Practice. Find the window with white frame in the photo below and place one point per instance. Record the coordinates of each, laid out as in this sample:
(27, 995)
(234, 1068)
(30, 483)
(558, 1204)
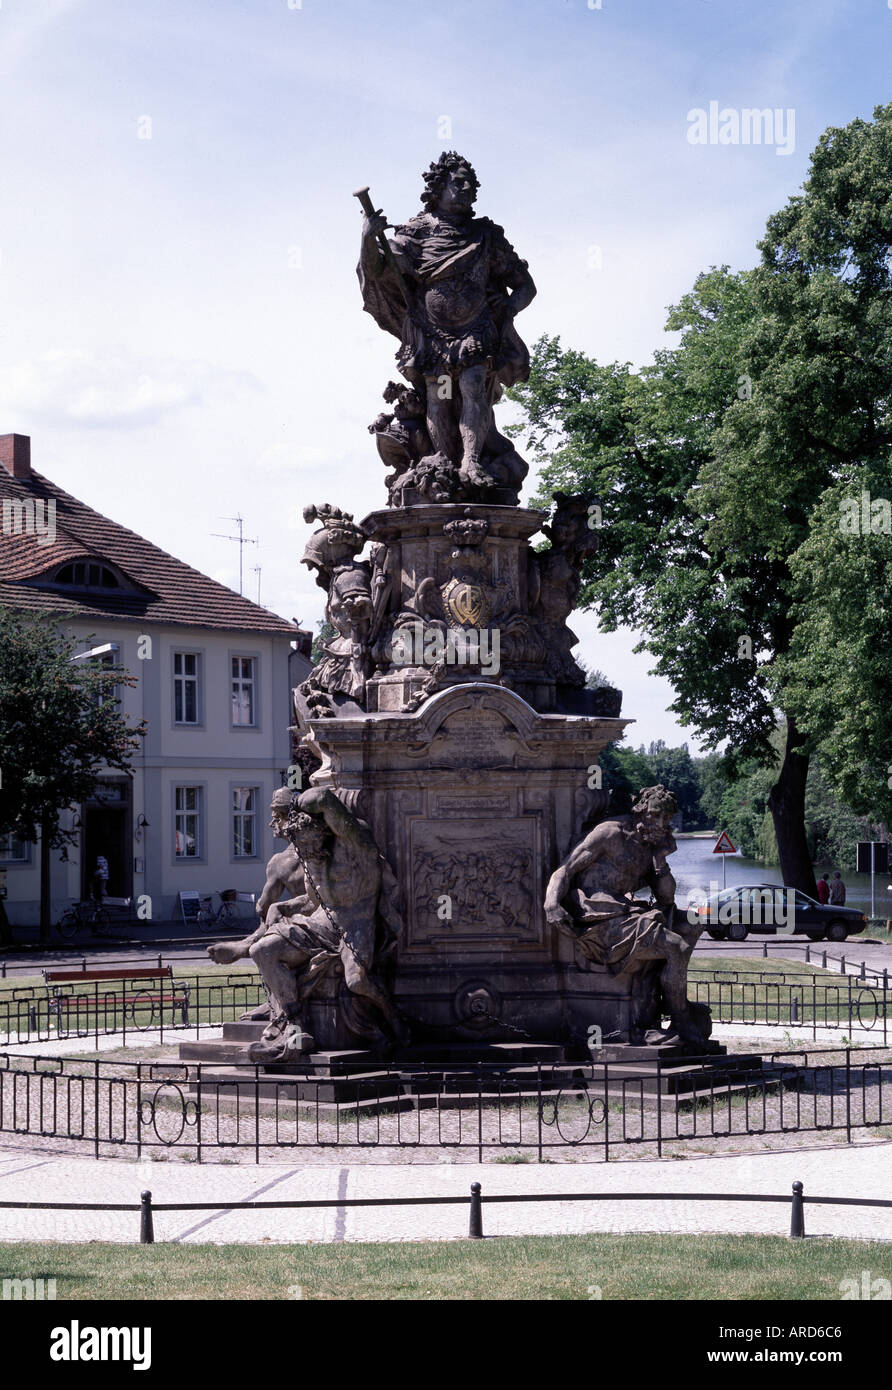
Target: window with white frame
(244, 822)
(187, 822)
(185, 687)
(106, 662)
(11, 848)
(244, 692)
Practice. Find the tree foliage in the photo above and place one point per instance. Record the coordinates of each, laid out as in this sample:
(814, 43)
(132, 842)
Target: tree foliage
(718, 467)
(60, 726)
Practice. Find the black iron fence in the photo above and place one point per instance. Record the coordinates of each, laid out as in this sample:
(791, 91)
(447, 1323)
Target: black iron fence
(89, 1009)
(844, 1002)
(147, 1208)
(554, 1111)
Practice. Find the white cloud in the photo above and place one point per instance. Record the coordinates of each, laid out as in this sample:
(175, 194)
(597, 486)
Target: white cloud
(120, 391)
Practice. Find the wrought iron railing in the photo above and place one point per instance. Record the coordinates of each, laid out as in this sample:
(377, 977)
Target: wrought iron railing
(844, 1002)
(542, 1111)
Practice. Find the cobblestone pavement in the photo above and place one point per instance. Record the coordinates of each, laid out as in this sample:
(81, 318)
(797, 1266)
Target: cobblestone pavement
(859, 1171)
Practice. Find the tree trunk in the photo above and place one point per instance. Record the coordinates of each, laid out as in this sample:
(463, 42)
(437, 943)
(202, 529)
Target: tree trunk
(786, 802)
(45, 881)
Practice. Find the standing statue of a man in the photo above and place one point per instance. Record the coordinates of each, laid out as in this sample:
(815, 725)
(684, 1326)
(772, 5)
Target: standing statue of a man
(612, 928)
(333, 921)
(450, 293)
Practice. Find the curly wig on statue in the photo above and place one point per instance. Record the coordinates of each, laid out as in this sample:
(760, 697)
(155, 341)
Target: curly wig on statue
(448, 163)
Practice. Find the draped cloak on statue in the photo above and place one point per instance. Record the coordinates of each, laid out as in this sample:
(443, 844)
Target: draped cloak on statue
(458, 278)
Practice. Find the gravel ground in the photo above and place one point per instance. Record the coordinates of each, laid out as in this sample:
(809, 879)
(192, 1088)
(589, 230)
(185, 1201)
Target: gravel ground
(155, 1116)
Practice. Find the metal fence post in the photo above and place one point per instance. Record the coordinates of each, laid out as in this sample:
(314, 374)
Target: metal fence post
(475, 1224)
(659, 1110)
(797, 1213)
(146, 1224)
(96, 1107)
(539, 1104)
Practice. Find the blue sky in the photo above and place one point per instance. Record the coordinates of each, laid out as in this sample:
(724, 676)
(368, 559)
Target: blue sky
(181, 332)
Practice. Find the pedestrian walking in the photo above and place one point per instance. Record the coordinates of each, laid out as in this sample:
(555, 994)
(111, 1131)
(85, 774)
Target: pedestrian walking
(824, 889)
(837, 890)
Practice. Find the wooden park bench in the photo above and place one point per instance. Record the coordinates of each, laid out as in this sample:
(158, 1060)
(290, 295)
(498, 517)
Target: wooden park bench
(69, 1004)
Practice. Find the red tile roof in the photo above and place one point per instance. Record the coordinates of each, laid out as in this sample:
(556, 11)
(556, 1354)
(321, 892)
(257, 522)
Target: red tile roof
(166, 589)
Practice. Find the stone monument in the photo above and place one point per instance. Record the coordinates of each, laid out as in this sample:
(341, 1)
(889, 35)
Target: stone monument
(462, 884)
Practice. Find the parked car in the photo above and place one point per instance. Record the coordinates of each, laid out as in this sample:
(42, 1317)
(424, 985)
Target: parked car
(763, 907)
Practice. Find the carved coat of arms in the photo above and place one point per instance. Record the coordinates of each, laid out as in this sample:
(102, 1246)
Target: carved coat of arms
(466, 604)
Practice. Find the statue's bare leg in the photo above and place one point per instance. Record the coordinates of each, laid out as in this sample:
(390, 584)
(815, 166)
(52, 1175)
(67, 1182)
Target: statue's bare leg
(278, 962)
(475, 421)
(359, 981)
(441, 416)
(674, 952)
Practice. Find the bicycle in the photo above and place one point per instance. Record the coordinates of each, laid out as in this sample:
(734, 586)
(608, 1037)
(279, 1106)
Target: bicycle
(88, 913)
(226, 915)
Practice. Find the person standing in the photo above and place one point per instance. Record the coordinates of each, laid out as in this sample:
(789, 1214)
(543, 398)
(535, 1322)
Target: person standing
(824, 889)
(100, 879)
(837, 890)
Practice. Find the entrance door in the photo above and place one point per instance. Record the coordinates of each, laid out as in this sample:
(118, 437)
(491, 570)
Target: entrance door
(105, 832)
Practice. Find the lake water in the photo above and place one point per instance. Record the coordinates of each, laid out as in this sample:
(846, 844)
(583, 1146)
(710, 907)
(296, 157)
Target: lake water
(697, 869)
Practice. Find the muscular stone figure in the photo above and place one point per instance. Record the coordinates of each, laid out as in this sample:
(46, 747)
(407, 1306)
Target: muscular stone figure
(284, 878)
(334, 921)
(615, 859)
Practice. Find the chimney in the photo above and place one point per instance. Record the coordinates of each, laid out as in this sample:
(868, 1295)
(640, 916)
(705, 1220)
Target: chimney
(15, 454)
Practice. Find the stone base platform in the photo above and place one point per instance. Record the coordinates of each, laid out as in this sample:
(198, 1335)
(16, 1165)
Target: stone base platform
(463, 1075)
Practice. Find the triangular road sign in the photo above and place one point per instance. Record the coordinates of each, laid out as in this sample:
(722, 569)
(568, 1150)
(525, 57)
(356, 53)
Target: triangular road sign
(723, 844)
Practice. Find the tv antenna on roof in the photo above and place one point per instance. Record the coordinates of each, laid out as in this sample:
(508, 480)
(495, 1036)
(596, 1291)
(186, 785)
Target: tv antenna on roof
(242, 539)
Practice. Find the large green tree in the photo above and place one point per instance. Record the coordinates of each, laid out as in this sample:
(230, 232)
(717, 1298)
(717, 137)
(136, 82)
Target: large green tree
(60, 726)
(712, 462)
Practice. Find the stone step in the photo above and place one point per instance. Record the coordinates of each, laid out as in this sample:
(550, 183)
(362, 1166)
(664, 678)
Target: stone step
(273, 1091)
(287, 1086)
(243, 1031)
(469, 1053)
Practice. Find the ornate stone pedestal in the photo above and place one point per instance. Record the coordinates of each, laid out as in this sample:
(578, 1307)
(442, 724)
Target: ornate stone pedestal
(477, 798)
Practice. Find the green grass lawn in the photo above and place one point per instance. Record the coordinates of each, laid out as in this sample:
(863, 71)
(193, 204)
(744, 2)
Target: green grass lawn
(753, 988)
(527, 1267)
(754, 966)
(220, 1004)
